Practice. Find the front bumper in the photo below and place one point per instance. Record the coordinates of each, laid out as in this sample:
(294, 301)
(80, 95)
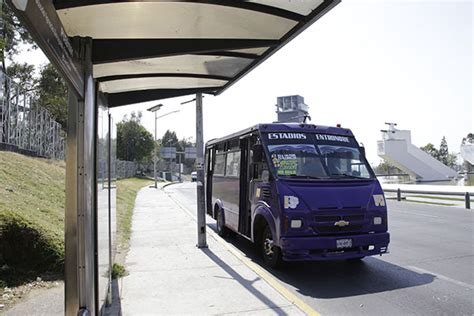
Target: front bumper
(324, 248)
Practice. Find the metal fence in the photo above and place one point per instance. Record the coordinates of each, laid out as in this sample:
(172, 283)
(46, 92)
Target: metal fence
(25, 126)
(125, 169)
(466, 195)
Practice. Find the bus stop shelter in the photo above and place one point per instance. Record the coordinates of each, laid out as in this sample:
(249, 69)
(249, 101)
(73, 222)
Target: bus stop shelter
(114, 53)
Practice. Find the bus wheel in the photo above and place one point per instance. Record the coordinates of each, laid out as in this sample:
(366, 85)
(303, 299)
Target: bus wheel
(221, 229)
(271, 253)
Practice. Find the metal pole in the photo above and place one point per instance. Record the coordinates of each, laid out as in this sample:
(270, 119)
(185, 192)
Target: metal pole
(155, 158)
(399, 195)
(468, 200)
(201, 212)
(80, 238)
(179, 167)
(169, 163)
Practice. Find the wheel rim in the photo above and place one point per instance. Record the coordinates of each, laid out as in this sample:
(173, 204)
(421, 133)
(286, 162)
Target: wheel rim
(268, 245)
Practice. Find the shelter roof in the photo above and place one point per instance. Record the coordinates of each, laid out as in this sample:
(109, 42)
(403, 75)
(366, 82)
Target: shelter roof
(153, 49)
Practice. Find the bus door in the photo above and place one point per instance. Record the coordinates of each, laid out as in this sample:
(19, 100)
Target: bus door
(244, 203)
(208, 180)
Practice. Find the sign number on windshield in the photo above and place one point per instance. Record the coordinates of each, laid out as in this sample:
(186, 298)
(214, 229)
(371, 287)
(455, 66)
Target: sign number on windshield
(343, 243)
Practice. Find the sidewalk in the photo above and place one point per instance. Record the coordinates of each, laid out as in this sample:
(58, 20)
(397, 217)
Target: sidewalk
(168, 274)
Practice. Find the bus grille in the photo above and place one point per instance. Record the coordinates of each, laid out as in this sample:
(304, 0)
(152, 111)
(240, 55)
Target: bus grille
(326, 223)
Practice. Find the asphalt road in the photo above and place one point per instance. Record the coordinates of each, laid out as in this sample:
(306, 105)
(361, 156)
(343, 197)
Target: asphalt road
(429, 270)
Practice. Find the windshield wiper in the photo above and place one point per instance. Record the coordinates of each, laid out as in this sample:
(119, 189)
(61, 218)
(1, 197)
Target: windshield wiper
(348, 176)
(301, 176)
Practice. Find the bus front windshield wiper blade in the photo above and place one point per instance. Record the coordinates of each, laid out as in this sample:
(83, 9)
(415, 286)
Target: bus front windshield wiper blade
(348, 176)
(301, 176)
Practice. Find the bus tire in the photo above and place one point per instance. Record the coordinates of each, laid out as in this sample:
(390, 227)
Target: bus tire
(271, 253)
(222, 230)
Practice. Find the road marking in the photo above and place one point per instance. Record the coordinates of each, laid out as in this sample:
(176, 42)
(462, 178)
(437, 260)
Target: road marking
(414, 213)
(272, 281)
(442, 277)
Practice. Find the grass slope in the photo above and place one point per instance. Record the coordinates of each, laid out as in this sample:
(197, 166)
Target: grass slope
(31, 216)
(32, 198)
(127, 190)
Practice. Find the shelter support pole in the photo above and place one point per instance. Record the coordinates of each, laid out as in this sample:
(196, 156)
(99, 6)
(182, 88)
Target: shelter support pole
(201, 212)
(80, 281)
(155, 158)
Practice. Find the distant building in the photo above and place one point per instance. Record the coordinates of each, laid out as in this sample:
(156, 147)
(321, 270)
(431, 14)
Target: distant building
(291, 108)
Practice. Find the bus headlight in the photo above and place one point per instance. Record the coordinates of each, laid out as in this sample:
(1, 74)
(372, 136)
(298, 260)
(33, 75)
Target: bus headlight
(377, 220)
(296, 223)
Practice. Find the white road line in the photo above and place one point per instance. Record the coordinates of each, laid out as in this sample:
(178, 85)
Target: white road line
(442, 277)
(414, 213)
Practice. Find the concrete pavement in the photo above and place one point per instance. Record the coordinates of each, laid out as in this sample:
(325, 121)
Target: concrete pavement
(429, 270)
(170, 275)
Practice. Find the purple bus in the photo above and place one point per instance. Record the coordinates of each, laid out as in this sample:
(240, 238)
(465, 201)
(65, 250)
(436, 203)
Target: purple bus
(298, 191)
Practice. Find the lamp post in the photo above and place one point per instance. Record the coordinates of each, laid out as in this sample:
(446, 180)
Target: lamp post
(169, 165)
(155, 109)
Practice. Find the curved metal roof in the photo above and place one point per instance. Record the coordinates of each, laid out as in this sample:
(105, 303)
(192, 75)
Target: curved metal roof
(153, 49)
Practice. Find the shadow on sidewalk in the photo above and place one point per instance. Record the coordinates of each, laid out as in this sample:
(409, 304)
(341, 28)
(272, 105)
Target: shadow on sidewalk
(116, 307)
(248, 284)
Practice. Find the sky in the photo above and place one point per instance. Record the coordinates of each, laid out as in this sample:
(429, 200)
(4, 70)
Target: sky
(362, 64)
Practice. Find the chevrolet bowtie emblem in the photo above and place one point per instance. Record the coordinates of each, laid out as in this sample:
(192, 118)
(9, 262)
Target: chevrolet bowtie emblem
(341, 223)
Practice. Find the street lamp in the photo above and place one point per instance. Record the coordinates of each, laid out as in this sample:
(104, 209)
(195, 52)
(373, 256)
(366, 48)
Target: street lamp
(155, 109)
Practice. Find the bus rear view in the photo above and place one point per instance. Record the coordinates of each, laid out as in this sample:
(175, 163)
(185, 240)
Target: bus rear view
(299, 191)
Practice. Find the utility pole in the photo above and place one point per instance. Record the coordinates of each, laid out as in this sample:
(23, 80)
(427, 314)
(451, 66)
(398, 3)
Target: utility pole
(201, 212)
(155, 156)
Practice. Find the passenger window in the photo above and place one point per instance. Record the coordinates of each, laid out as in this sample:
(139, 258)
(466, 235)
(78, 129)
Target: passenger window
(220, 165)
(233, 164)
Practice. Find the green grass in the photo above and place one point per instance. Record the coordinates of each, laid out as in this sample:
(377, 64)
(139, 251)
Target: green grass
(127, 190)
(431, 203)
(32, 199)
(118, 271)
(31, 216)
(438, 198)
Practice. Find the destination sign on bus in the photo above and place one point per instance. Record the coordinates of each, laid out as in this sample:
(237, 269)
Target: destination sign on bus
(332, 138)
(286, 136)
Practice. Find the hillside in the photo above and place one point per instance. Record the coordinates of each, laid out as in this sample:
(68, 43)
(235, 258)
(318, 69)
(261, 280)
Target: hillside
(31, 217)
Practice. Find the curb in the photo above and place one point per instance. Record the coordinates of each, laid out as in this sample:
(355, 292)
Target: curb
(267, 277)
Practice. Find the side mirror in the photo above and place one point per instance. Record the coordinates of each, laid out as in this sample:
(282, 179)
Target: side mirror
(257, 153)
(362, 150)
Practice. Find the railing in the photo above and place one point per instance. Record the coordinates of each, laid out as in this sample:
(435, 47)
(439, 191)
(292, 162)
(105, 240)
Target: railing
(25, 126)
(467, 195)
(125, 169)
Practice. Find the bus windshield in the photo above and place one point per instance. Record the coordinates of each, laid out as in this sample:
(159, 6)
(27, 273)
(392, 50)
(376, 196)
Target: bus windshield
(313, 158)
(298, 160)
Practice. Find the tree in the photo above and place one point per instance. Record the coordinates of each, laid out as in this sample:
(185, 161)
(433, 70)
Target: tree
(451, 160)
(22, 74)
(13, 33)
(443, 151)
(134, 142)
(431, 149)
(170, 139)
(442, 155)
(468, 140)
(384, 168)
(52, 94)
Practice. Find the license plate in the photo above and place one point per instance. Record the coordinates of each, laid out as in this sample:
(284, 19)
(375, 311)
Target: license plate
(343, 243)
